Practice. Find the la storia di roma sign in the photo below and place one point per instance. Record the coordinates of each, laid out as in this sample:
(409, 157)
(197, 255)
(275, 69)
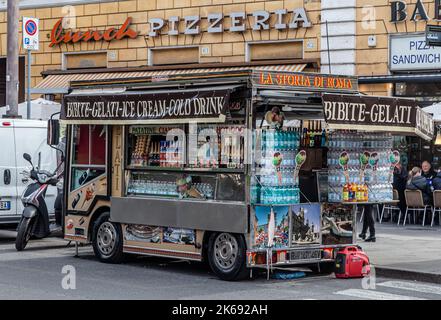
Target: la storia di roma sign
(311, 81)
(284, 19)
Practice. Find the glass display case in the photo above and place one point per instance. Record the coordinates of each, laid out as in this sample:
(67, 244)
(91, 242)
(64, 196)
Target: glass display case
(156, 146)
(206, 164)
(216, 146)
(221, 187)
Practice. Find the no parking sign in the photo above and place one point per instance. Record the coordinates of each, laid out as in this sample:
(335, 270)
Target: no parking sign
(30, 33)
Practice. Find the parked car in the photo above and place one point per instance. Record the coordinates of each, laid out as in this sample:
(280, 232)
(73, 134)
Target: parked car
(17, 137)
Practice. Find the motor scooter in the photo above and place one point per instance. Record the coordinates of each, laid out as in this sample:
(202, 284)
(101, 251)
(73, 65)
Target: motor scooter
(35, 218)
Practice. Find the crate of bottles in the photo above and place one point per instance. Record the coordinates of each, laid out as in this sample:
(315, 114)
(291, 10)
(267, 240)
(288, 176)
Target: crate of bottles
(275, 184)
(355, 182)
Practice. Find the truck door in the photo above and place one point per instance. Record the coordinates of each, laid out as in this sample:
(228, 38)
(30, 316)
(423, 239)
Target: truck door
(8, 171)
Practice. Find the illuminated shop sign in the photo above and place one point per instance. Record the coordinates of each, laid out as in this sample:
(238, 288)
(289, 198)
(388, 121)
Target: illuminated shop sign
(284, 19)
(260, 20)
(315, 82)
(400, 11)
(59, 35)
(411, 52)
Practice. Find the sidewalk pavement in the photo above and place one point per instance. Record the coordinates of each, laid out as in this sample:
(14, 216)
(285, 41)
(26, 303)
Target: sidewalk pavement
(412, 252)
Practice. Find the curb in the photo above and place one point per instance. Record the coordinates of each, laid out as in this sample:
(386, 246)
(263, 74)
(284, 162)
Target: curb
(407, 275)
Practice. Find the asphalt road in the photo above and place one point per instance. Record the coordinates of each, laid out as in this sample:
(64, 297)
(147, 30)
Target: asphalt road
(36, 273)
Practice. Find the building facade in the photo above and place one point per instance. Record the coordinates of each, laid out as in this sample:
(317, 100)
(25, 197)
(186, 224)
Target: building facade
(364, 36)
(170, 32)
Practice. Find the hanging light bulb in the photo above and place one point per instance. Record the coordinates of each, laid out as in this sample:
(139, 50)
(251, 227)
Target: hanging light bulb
(438, 137)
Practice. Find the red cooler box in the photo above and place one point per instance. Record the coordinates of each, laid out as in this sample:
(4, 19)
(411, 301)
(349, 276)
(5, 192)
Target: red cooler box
(351, 262)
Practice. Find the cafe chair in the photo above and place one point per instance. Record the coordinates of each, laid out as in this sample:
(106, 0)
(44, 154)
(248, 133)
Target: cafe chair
(391, 207)
(436, 206)
(414, 202)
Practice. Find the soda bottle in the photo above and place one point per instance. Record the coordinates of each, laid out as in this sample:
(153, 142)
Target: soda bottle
(346, 193)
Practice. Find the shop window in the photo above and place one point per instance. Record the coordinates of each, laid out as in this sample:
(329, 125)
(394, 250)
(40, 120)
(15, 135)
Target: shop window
(85, 60)
(275, 51)
(21, 79)
(172, 56)
(410, 89)
(88, 154)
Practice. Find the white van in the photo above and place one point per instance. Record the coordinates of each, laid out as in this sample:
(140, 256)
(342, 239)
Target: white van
(17, 137)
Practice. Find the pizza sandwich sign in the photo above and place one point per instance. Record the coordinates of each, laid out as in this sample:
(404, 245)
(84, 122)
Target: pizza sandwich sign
(30, 33)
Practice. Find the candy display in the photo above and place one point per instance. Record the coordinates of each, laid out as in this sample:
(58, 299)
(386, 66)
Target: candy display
(151, 148)
(140, 152)
(274, 181)
(359, 167)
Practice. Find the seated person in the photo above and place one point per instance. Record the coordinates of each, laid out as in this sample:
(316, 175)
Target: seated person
(417, 182)
(436, 182)
(427, 171)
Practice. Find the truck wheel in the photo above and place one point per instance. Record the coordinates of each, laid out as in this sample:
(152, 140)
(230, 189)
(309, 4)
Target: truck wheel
(107, 240)
(23, 234)
(227, 256)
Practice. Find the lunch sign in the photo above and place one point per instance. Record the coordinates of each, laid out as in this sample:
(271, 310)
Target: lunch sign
(370, 113)
(152, 108)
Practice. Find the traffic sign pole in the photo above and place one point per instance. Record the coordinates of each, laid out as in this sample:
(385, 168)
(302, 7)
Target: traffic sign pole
(28, 106)
(30, 42)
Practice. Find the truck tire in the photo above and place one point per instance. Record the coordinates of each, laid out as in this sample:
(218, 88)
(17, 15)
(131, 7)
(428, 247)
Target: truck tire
(107, 240)
(227, 256)
(23, 234)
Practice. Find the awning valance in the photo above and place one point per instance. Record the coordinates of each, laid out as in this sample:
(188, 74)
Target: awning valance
(370, 113)
(149, 107)
(60, 83)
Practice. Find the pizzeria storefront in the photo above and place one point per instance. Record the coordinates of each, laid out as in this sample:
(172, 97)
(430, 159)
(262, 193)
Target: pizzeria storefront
(405, 66)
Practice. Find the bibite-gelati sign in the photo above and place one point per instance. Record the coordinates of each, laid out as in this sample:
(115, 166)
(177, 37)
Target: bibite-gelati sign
(355, 112)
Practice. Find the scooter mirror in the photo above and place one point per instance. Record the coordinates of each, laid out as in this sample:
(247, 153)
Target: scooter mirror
(27, 157)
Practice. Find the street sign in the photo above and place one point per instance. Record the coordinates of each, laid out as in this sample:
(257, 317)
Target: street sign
(433, 35)
(30, 33)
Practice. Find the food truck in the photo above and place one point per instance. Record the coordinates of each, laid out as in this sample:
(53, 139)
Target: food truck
(244, 168)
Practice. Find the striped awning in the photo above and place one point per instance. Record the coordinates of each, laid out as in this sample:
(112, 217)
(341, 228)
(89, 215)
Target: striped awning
(59, 83)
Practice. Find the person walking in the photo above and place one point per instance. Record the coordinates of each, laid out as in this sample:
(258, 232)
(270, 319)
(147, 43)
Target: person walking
(368, 223)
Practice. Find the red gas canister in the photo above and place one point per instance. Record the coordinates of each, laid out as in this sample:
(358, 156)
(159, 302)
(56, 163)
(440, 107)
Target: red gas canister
(351, 262)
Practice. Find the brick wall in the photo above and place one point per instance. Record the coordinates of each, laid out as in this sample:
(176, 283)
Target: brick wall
(225, 47)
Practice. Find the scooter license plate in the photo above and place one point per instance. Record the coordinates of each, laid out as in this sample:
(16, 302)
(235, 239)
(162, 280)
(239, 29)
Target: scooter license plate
(5, 205)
